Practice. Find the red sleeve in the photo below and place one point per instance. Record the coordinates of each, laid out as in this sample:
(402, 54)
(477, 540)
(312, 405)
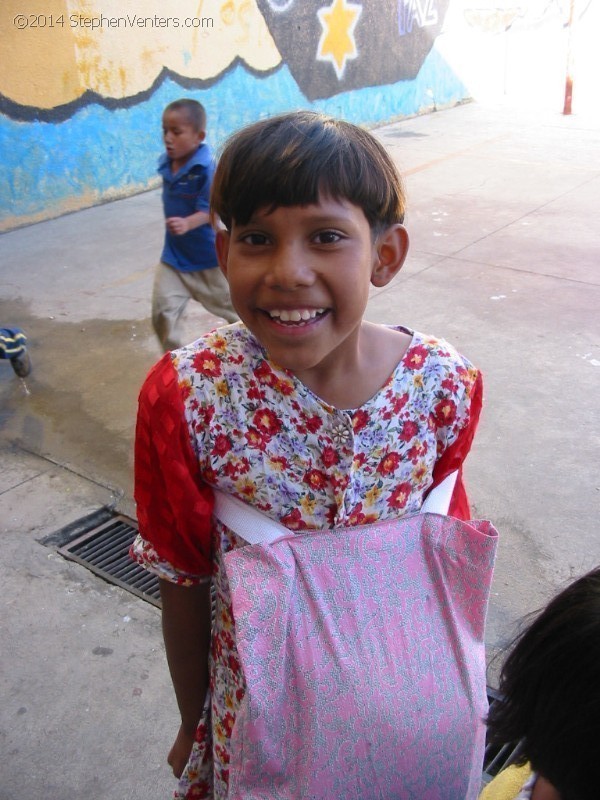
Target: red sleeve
(452, 459)
(174, 507)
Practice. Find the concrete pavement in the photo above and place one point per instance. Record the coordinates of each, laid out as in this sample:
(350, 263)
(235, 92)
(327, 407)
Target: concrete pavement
(504, 262)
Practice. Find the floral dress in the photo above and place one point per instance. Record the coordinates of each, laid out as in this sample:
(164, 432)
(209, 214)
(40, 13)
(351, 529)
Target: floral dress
(219, 413)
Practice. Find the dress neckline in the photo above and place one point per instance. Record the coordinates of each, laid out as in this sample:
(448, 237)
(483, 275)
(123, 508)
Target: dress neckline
(303, 389)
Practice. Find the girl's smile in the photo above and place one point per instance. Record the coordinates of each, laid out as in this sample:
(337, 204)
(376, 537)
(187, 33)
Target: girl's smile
(297, 316)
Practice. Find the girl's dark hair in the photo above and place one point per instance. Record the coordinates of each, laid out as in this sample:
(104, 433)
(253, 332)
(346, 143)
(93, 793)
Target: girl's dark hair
(550, 685)
(194, 110)
(294, 158)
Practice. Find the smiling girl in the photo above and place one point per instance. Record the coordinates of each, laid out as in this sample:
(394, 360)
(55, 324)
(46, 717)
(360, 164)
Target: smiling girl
(303, 410)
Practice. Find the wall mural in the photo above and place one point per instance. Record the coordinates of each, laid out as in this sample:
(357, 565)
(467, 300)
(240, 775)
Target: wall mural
(83, 82)
(352, 45)
(86, 51)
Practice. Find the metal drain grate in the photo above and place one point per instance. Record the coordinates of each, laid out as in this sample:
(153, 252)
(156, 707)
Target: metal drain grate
(496, 758)
(104, 549)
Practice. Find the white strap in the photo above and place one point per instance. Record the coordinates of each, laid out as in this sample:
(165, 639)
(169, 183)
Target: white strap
(249, 523)
(255, 527)
(438, 499)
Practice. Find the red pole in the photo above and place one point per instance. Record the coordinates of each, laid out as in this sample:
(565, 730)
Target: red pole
(569, 80)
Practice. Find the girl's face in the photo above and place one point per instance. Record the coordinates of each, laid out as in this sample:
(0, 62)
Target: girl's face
(299, 278)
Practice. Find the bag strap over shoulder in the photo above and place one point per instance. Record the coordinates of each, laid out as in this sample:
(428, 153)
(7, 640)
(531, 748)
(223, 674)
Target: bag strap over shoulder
(438, 499)
(257, 528)
(252, 525)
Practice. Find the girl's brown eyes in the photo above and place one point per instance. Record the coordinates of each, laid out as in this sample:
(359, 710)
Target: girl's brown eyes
(323, 238)
(328, 237)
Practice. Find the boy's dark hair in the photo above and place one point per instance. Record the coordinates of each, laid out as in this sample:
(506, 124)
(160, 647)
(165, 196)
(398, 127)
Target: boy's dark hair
(195, 111)
(294, 158)
(550, 684)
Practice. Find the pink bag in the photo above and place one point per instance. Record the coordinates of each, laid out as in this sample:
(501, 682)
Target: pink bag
(363, 655)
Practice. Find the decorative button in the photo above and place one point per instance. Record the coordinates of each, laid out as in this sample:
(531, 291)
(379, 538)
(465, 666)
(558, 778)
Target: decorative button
(341, 433)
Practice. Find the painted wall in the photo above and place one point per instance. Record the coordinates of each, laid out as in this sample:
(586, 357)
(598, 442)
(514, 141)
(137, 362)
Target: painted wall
(83, 82)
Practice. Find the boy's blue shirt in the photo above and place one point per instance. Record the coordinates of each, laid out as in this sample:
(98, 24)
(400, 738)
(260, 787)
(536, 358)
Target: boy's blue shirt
(184, 193)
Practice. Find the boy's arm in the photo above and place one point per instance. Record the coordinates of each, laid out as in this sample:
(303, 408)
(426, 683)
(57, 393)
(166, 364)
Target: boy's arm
(180, 225)
(186, 623)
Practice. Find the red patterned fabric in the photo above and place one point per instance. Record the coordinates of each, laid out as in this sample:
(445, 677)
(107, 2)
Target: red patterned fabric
(452, 459)
(219, 412)
(174, 506)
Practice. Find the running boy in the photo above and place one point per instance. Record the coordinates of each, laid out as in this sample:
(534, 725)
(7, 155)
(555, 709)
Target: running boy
(304, 410)
(188, 266)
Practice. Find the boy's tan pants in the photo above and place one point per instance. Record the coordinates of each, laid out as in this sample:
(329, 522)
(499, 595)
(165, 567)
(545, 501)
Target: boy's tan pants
(172, 292)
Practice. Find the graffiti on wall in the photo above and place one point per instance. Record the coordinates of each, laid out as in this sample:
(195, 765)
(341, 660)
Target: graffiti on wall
(83, 50)
(90, 51)
(83, 82)
(351, 45)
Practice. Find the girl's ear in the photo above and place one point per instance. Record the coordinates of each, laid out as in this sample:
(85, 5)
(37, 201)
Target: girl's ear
(391, 249)
(222, 248)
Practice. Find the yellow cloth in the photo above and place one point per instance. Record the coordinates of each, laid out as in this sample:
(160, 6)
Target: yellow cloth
(507, 784)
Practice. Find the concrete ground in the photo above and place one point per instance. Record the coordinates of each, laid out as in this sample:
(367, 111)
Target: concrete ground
(504, 263)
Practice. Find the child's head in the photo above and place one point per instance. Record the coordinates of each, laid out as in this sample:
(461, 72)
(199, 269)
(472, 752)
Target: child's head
(190, 111)
(295, 159)
(551, 688)
(312, 209)
(184, 129)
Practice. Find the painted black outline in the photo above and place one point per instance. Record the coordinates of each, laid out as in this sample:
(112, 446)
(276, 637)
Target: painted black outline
(61, 113)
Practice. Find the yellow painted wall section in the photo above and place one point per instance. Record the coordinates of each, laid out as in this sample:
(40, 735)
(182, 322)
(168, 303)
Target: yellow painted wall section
(38, 65)
(53, 53)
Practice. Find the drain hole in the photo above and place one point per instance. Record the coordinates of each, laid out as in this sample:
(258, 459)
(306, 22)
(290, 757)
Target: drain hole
(101, 542)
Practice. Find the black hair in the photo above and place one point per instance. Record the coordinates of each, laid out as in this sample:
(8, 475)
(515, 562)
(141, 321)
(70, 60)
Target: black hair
(550, 687)
(295, 158)
(195, 111)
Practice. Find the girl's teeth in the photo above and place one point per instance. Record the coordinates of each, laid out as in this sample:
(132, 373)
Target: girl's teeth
(295, 315)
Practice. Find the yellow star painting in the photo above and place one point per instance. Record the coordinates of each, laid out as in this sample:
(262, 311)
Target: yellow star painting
(337, 43)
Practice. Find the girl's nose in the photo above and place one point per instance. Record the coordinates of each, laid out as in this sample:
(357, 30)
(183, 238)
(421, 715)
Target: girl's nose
(290, 269)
